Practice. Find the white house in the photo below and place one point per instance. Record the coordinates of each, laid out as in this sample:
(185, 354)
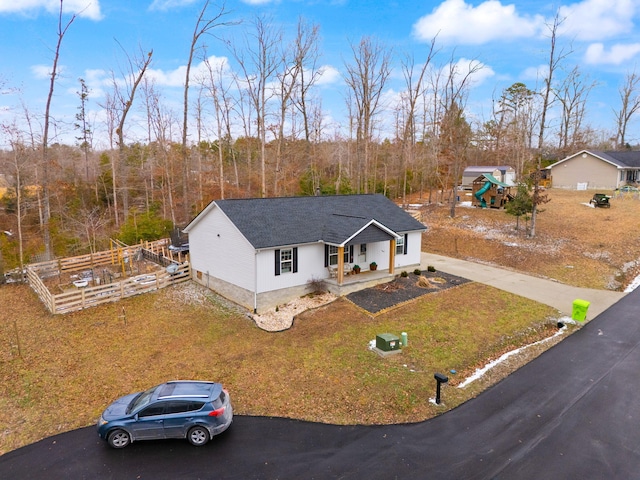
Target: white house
(262, 252)
(591, 169)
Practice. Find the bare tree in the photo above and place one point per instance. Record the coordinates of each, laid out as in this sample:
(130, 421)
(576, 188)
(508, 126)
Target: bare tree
(366, 79)
(629, 105)
(110, 119)
(455, 131)
(18, 164)
(203, 27)
(218, 87)
(572, 95)
(246, 113)
(160, 124)
(259, 63)
(292, 88)
(62, 30)
(555, 60)
(307, 55)
(415, 87)
(121, 103)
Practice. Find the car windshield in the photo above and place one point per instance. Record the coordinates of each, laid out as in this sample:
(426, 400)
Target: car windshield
(140, 400)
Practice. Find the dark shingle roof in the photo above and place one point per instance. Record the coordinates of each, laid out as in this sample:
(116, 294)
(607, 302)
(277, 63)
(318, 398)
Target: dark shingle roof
(272, 222)
(627, 158)
(623, 159)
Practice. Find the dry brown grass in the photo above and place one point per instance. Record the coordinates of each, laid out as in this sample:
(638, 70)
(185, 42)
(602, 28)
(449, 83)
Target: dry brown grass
(574, 243)
(58, 372)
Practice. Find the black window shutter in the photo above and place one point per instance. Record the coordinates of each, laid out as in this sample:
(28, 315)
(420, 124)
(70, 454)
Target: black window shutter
(277, 262)
(295, 259)
(406, 238)
(326, 255)
(350, 253)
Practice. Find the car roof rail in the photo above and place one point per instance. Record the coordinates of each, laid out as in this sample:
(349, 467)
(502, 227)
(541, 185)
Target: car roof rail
(183, 396)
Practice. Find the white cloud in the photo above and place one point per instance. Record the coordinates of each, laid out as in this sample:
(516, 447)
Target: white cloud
(476, 71)
(164, 5)
(83, 8)
(95, 79)
(329, 75)
(617, 54)
(258, 2)
(455, 21)
(175, 78)
(41, 71)
(598, 19)
(535, 73)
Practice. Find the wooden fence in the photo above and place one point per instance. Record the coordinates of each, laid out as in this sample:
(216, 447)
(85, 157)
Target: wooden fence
(85, 297)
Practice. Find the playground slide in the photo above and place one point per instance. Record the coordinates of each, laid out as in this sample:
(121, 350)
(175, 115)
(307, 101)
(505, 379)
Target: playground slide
(481, 192)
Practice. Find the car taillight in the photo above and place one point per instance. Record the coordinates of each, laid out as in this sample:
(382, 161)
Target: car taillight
(217, 412)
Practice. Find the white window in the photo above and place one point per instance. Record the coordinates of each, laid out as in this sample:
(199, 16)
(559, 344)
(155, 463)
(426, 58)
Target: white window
(400, 245)
(286, 260)
(333, 255)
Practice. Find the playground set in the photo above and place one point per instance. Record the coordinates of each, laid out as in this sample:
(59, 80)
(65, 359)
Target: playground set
(489, 192)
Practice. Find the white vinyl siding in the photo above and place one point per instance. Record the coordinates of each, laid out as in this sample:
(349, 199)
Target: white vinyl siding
(310, 265)
(218, 249)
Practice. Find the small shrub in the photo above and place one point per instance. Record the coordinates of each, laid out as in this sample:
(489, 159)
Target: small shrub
(404, 274)
(417, 271)
(431, 268)
(317, 285)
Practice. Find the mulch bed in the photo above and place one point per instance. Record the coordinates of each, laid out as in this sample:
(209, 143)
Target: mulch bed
(380, 298)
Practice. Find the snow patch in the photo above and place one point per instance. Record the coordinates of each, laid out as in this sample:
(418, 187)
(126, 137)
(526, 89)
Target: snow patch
(481, 371)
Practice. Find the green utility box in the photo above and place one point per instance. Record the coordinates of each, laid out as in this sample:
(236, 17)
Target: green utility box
(387, 342)
(580, 308)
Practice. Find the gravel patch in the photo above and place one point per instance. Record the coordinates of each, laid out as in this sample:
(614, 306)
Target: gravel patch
(281, 318)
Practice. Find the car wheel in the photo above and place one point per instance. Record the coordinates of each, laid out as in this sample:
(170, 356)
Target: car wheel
(118, 439)
(198, 436)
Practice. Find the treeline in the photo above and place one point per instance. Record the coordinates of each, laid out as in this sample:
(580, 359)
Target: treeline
(259, 130)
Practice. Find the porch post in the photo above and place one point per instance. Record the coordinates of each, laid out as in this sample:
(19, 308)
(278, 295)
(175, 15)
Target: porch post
(392, 256)
(340, 265)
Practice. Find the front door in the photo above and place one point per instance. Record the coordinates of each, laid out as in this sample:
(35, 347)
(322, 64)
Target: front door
(362, 255)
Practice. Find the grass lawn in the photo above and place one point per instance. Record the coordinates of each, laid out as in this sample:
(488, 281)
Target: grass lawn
(59, 372)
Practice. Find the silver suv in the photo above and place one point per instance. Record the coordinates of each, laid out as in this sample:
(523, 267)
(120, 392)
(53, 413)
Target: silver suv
(189, 409)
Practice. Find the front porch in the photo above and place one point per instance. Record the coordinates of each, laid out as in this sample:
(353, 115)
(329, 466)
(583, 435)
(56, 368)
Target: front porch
(354, 282)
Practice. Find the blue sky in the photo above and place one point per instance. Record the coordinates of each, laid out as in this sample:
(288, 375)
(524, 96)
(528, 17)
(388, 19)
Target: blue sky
(509, 40)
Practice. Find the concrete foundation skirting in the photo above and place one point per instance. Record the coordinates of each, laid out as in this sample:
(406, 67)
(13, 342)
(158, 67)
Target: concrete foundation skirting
(260, 303)
(265, 301)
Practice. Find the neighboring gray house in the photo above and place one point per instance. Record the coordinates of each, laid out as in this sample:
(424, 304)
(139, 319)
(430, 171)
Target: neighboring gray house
(595, 170)
(263, 252)
(502, 173)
